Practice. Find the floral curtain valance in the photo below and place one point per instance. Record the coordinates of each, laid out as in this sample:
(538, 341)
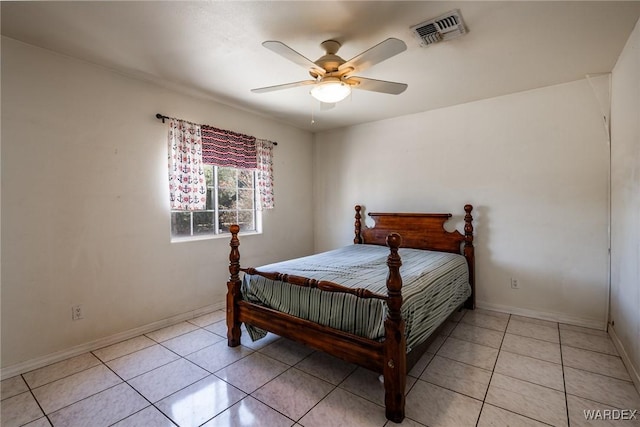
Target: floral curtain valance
(228, 149)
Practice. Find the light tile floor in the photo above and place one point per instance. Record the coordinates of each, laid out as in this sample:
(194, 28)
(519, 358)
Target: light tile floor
(485, 369)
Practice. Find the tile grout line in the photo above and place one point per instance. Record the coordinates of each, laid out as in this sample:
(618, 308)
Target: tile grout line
(63, 377)
(210, 374)
(601, 374)
(486, 392)
(529, 382)
(68, 376)
(265, 403)
(564, 380)
(101, 362)
(279, 375)
(288, 368)
(123, 380)
(151, 404)
(45, 415)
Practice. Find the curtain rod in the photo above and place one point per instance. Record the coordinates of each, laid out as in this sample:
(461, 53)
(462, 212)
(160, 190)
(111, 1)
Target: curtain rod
(163, 118)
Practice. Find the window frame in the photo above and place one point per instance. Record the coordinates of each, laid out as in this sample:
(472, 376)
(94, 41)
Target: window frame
(257, 213)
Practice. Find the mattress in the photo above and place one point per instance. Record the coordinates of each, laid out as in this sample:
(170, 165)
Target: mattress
(434, 285)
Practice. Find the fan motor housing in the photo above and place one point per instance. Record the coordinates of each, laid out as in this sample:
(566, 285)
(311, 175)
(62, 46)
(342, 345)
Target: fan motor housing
(330, 62)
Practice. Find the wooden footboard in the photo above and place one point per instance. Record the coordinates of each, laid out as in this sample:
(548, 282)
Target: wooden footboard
(388, 357)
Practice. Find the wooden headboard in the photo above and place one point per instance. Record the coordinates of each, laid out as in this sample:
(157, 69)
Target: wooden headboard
(421, 231)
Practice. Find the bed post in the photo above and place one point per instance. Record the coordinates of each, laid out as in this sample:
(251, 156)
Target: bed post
(395, 354)
(233, 289)
(469, 255)
(358, 225)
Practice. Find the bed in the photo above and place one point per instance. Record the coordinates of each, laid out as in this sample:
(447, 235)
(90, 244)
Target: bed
(386, 332)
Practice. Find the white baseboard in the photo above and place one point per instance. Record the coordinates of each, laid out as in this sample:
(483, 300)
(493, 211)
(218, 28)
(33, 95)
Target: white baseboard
(544, 315)
(633, 371)
(39, 362)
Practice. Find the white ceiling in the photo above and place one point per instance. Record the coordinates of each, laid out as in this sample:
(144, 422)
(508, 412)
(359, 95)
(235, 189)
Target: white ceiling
(214, 49)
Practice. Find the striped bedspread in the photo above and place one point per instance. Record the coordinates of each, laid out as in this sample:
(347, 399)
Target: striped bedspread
(434, 285)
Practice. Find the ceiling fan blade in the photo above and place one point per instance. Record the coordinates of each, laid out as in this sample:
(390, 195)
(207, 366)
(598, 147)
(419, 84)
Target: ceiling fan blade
(378, 53)
(284, 86)
(293, 56)
(382, 86)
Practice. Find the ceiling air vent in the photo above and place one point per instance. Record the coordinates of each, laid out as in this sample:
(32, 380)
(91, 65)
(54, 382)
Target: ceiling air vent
(443, 28)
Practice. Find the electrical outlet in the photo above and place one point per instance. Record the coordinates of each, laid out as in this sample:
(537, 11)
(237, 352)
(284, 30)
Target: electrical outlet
(76, 312)
(515, 284)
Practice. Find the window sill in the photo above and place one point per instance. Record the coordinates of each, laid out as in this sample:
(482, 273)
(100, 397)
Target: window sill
(211, 237)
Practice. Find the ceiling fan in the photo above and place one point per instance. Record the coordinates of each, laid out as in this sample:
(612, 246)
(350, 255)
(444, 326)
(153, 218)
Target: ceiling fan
(332, 76)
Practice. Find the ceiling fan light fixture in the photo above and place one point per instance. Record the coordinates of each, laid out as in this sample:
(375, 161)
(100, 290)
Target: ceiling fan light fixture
(331, 90)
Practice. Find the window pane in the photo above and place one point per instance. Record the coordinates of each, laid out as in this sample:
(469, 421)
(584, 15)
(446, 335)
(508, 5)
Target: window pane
(210, 180)
(227, 198)
(246, 221)
(208, 175)
(245, 199)
(227, 178)
(180, 224)
(225, 220)
(202, 223)
(210, 196)
(245, 178)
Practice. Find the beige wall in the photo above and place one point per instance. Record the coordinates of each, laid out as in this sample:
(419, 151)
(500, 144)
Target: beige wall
(625, 203)
(85, 217)
(533, 164)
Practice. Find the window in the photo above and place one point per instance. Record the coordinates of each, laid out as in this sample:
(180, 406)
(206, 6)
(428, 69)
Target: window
(231, 199)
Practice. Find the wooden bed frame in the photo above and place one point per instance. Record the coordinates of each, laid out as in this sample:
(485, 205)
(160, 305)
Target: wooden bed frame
(387, 357)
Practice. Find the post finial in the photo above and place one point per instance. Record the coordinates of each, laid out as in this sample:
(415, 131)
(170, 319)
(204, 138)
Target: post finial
(358, 226)
(394, 240)
(394, 280)
(468, 226)
(234, 255)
